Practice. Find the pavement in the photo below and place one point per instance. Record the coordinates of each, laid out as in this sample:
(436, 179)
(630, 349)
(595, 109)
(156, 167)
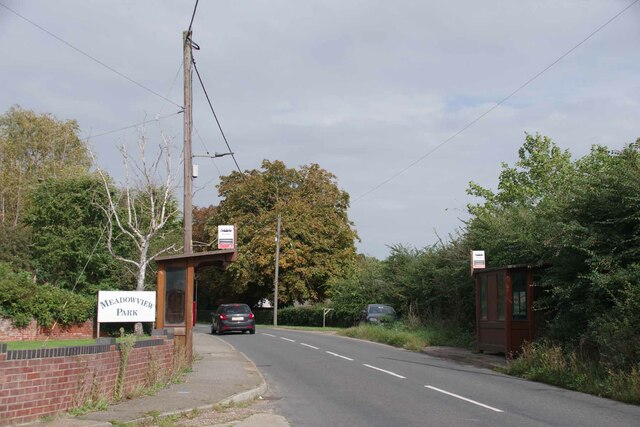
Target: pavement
(468, 357)
(221, 376)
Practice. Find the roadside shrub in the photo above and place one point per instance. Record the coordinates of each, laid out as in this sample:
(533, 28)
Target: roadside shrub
(21, 300)
(310, 316)
(413, 337)
(553, 364)
(394, 334)
(264, 316)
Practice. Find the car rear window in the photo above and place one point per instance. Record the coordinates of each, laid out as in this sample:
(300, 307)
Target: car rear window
(381, 309)
(236, 309)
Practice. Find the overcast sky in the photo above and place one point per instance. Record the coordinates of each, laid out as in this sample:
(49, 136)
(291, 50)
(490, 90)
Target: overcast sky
(363, 88)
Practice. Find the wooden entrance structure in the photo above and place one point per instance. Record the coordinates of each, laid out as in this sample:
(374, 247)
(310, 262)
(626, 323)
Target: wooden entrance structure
(504, 308)
(175, 289)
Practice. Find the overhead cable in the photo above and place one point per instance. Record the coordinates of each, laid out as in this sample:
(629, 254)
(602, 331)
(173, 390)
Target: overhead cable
(215, 116)
(89, 56)
(502, 101)
(195, 7)
(134, 126)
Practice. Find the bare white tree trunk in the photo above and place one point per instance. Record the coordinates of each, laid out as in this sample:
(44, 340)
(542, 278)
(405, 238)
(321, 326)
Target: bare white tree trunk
(144, 207)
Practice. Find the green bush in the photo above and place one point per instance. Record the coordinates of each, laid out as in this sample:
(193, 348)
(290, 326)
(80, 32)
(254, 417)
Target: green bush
(264, 316)
(551, 363)
(310, 316)
(415, 338)
(394, 334)
(21, 300)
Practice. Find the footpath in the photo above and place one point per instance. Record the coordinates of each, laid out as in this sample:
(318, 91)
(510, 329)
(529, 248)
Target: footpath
(221, 376)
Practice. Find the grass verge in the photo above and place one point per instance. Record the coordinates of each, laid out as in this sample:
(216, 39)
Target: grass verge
(551, 364)
(400, 335)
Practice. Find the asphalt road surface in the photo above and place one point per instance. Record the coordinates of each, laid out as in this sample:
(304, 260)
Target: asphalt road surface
(325, 380)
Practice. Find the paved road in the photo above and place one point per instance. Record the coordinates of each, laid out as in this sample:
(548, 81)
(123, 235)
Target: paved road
(326, 380)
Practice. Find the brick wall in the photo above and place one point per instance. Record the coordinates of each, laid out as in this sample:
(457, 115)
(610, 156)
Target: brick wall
(38, 383)
(33, 332)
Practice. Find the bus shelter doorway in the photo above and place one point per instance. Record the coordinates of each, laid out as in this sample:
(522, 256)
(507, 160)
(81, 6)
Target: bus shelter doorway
(504, 308)
(175, 293)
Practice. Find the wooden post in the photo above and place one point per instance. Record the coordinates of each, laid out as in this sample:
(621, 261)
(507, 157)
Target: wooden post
(275, 298)
(188, 122)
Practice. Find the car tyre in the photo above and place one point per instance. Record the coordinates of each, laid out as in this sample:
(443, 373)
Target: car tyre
(252, 331)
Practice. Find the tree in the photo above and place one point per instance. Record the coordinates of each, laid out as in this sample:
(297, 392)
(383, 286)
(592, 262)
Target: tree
(595, 280)
(365, 285)
(318, 240)
(144, 212)
(200, 219)
(69, 247)
(580, 220)
(14, 246)
(512, 225)
(33, 148)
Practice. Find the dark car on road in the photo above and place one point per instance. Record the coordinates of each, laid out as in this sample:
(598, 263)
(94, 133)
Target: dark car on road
(377, 313)
(233, 317)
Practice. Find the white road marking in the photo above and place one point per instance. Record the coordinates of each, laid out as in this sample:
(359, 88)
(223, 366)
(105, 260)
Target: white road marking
(269, 335)
(287, 339)
(339, 355)
(385, 371)
(310, 346)
(465, 399)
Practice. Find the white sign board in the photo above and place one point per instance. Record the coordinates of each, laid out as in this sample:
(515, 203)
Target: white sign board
(126, 306)
(226, 237)
(477, 260)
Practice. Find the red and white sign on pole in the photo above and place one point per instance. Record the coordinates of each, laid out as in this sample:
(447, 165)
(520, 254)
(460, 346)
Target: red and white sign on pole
(226, 237)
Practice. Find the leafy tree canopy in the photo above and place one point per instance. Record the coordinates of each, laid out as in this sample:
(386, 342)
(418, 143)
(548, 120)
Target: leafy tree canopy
(69, 247)
(581, 220)
(317, 240)
(509, 225)
(33, 148)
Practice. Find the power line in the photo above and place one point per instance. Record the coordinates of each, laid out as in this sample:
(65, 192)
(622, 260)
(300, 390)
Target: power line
(502, 101)
(193, 16)
(89, 56)
(206, 149)
(134, 126)
(175, 78)
(216, 117)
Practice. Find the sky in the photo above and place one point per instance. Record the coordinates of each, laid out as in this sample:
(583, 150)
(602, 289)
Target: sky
(379, 93)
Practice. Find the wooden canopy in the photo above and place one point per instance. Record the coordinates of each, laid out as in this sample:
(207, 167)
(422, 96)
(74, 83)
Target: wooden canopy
(175, 291)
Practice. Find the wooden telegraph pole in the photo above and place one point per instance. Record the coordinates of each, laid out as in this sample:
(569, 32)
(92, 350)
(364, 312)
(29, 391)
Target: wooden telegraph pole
(187, 157)
(275, 298)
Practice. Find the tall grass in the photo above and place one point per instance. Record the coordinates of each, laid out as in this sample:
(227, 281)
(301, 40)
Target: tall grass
(552, 364)
(413, 338)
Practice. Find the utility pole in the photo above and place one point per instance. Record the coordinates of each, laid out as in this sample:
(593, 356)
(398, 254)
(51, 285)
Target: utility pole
(188, 123)
(275, 298)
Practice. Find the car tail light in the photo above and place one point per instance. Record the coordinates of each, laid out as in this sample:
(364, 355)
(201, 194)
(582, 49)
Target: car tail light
(223, 316)
(251, 316)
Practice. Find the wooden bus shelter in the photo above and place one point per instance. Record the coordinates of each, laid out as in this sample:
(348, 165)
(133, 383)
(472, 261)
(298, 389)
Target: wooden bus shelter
(504, 308)
(175, 293)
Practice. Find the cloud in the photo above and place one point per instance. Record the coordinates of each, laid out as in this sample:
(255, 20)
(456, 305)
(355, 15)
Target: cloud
(363, 88)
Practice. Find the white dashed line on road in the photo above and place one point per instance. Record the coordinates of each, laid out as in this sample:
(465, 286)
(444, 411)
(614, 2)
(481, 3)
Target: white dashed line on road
(310, 346)
(464, 398)
(340, 356)
(385, 371)
(269, 335)
(287, 339)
